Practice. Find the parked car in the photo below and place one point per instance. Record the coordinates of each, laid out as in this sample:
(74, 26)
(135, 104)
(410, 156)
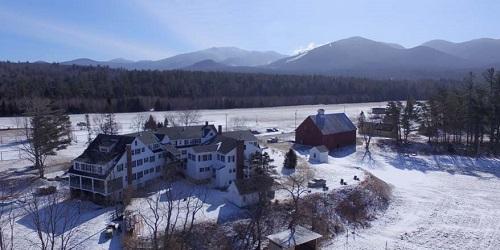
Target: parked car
(45, 190)
(255, 132)
(316, 183)
(111, 228)
(272, 140)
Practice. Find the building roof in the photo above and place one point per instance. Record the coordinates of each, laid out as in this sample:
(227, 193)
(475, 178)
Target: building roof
(288, 239)
(378, 111)
(146, 137)
(333, 123)
(220, 143)
(183, 132)
(322, 149)
(93, 155)
(245, 135)
(253, 184)
(171, 149)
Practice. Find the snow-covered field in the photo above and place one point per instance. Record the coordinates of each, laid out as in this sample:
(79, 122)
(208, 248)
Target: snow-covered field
(440, 202)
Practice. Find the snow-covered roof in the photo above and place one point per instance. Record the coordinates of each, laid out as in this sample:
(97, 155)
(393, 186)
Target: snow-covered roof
(333, 123)
(287, 239)
(322, 149)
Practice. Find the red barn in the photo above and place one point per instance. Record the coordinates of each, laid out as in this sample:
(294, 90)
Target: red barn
(332, 130)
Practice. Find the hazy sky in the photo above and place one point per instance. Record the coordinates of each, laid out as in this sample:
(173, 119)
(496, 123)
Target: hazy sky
(59, 30)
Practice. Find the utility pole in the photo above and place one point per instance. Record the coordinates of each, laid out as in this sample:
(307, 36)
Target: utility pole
(295, 127)
(226, 122)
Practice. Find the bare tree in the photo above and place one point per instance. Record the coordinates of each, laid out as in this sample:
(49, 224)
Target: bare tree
(188, 117)
(296, 186)
(137, 123)
(366, 128)
(106, 124)
(153, 217)
(88, 127)
(239, 123)
(54, 219)
(8, 217)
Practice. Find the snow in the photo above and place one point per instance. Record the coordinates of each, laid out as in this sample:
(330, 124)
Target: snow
(440, 201)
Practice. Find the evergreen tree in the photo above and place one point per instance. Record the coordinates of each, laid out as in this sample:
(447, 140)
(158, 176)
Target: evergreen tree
(150, 124)
(393, 116)
(47, 131)
(290, 159)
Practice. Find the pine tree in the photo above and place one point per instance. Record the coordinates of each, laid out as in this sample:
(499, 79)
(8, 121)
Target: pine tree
(150, 124)
(290, 159)
(393, 116)
(47, 131)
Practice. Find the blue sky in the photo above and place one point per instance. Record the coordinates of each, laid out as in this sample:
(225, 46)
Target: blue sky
(59, 30)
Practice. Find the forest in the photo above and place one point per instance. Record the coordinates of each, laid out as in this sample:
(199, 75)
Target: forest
(85, 89)
(463, 118)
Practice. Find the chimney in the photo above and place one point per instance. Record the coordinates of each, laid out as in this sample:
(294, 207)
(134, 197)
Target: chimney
(219, 130)
(320, 117)
(206, 123)
(239, 159)
(129, 164)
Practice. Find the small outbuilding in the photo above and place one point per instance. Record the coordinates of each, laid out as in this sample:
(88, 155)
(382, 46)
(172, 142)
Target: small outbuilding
(246, 192)
(318, 154)
(300, 238)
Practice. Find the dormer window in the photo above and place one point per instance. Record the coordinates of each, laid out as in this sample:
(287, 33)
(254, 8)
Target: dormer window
(104, 149)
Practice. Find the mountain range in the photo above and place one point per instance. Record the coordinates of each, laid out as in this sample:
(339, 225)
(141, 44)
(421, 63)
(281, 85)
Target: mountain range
(355, 56)
(227, 56)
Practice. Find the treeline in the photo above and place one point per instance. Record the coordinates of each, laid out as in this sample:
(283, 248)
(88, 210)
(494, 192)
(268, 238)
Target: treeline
(468, 114)
(465, 118)
(81, 89)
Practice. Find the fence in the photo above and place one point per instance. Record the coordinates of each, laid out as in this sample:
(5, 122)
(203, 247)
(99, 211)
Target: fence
(15, 154)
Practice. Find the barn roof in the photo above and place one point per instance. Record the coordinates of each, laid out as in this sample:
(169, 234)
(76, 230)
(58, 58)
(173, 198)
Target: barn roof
(333, 123)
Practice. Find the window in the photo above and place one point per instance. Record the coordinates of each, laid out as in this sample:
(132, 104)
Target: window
(134, 164)
(218, 157)
(230, 182)
(100, 170)
(139, 175)
(207, 169)
(210, 157)
(199, 158)
(202, 170)
(138, 151)
(119, 167)
(139, 162)
(186, 142)
(77, 165)
(135, 143)
(143, 149)
(222, 158)
(134, 176)
(132, 151)
(152, 158)
(205, 157)
(146, 159)
(157, 169)
(184, 152)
